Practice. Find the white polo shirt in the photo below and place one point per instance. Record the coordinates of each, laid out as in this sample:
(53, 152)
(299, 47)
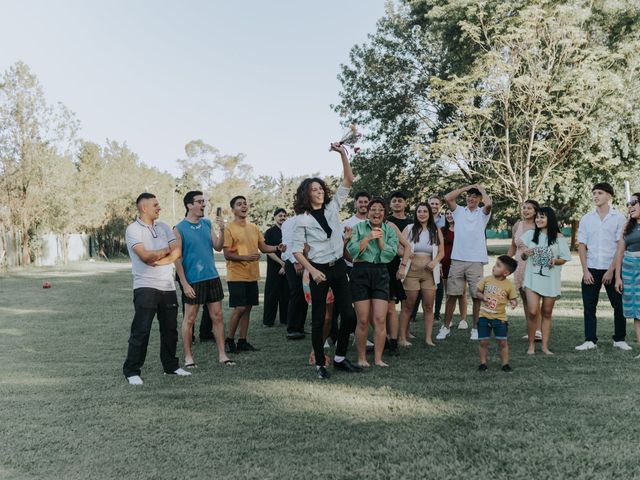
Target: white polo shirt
(600, 236)
(470, 241)
(152, 237)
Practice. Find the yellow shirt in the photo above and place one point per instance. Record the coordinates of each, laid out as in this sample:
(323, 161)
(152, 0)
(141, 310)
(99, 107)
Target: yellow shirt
(498, 293)
(242, 239)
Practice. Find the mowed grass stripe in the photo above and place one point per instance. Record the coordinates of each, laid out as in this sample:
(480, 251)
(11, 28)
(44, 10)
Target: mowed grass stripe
(68, 413)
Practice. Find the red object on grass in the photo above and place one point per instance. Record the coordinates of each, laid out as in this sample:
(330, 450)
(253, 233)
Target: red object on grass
(46, 285)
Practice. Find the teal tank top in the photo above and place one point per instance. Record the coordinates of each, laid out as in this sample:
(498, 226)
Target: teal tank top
(197, 251)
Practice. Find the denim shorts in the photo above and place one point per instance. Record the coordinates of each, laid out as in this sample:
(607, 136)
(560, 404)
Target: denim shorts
(499, 327)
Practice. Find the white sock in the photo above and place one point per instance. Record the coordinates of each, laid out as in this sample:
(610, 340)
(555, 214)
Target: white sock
(338, 359)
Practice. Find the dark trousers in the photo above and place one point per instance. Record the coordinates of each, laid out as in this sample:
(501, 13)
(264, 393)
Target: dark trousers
(590, 294)
(439, 297)
(148, 303)
(276, 296)
(297, 306)
(335, 320)
(336, 280)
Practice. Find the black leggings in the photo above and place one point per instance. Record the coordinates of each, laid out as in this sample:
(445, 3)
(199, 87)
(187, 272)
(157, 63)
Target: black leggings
(338, 281)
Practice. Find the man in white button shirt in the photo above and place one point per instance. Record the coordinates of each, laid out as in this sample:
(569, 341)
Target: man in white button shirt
(469, 253)
(598, 235)
(297, 307)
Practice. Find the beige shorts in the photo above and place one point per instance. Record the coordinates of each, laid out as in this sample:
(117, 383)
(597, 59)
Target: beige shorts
(419, 280)
(462, 272)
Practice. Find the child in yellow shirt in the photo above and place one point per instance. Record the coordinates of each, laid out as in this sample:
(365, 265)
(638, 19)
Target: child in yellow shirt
(495, 291)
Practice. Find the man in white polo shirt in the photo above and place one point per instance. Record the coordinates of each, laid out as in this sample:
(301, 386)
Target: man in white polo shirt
(598, 236)
(469, 254)
(152, 249)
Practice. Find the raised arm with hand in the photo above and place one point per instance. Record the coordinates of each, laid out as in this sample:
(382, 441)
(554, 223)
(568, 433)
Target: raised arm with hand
(486, 199)
(347, 179)
(451, 197)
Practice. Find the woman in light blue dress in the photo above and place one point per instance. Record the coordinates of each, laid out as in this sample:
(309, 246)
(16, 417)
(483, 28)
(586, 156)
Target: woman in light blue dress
(546, 252)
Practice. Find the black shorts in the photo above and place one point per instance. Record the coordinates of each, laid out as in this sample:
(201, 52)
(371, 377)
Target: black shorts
(369, 281)
(396, 289)
(207, 291)
(242, 294)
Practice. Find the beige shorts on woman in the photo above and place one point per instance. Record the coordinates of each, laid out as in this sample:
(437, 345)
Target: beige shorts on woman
(419, 277)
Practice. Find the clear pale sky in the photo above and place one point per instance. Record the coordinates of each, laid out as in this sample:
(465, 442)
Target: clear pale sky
(245, 76)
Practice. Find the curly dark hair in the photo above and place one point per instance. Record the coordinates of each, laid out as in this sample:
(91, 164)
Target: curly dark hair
(416, 229)
(302, 202)
(631, 224)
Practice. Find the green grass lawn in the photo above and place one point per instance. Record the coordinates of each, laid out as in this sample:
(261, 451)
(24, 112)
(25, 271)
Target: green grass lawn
(67, 412)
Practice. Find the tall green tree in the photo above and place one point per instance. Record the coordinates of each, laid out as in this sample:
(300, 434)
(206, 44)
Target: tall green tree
(35, 139)
(535, 98)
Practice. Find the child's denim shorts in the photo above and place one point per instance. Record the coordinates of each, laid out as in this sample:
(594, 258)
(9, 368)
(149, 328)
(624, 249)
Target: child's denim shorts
(485, 325)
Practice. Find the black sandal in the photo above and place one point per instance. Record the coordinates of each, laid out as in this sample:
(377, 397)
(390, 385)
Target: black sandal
(228, 362)
(190, 365)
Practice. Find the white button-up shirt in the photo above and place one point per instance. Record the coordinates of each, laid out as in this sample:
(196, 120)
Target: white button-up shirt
(600, 236)
(309, 231)
(287, 238)
(351, 222)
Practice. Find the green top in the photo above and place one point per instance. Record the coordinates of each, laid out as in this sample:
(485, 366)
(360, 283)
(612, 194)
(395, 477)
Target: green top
(373, 253)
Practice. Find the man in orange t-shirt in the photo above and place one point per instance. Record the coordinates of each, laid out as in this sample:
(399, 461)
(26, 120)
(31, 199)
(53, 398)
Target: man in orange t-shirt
(243, 243)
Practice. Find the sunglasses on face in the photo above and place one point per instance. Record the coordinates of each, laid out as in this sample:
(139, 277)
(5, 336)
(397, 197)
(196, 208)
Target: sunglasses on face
(632, 203)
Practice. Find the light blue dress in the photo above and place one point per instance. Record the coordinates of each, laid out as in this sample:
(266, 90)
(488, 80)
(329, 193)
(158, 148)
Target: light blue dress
(539, 276)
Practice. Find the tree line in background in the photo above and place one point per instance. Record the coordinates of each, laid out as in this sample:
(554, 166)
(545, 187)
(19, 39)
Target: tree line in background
(52, 181)
(535, 99)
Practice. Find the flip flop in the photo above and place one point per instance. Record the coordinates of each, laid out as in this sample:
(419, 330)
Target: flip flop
(190, 365)
(228, 362)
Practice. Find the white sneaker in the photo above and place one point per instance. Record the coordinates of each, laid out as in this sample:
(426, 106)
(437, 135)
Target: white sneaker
(443, 333)
(181, 373)
(538, 335)
(327, 345)
(463, 325)
(588, 345)
(135, 380)
(622, 345)
(474, 334)
(370, 344)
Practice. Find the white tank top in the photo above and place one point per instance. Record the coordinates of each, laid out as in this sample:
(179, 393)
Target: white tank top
(423, 245)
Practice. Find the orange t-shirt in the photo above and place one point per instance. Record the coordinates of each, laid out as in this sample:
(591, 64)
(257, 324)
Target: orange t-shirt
(242, 239)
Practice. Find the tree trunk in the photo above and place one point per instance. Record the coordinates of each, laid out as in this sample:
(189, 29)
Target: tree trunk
(574, 234)
(26, 253)
(65, 248)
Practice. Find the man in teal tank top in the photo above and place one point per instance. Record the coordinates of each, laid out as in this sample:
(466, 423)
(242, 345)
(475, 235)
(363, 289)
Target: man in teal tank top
(198, 274)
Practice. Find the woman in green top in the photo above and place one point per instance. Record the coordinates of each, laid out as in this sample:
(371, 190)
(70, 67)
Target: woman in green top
(546, 251)
(373, 244)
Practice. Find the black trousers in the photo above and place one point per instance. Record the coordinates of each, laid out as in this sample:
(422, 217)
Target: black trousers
(149, 302)
(297, 305)
(590, 294)
(276, 296)
(337, 280)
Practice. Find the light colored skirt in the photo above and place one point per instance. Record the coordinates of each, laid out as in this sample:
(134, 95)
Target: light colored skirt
(631, 281)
